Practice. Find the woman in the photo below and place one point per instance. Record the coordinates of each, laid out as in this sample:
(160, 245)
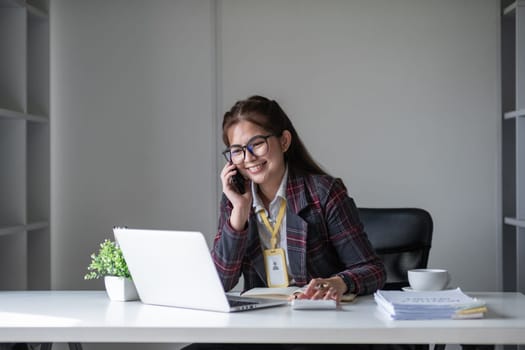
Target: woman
(294, 223)
(288, 222)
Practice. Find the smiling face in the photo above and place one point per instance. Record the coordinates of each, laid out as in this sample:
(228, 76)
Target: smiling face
(267, 169)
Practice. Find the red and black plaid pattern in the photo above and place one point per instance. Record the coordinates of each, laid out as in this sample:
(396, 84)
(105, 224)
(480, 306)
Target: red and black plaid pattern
(324, 235)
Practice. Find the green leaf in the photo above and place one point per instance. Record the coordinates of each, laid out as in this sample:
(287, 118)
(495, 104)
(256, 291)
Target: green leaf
(109, 261)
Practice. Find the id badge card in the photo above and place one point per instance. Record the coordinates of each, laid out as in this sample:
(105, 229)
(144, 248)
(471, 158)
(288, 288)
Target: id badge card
(275, 265)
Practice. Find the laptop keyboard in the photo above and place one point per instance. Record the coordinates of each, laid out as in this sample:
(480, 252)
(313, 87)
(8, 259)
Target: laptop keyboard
(234, 303)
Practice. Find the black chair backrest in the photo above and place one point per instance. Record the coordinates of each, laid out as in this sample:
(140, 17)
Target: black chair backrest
(402, 238)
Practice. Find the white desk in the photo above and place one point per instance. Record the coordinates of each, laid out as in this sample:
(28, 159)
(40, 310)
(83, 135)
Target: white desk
(88, 316)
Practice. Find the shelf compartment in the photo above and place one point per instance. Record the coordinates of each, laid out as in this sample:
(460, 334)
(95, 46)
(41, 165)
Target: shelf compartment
(509, 258)
(13, 261)
(520, 167)
(38, 258)
(509, 167)
(38, 172)
(508, 63)
(12, 59)
(37, 65)
(520, 253)
(520, 55)
(13, 174)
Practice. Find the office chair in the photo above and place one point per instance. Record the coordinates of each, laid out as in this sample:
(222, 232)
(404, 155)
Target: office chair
(402, 238)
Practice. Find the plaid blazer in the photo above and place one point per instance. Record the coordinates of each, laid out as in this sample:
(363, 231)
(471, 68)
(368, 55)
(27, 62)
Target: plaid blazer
(324, 236)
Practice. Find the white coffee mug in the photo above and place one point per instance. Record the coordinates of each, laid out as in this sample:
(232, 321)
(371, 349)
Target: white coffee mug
(428, 279)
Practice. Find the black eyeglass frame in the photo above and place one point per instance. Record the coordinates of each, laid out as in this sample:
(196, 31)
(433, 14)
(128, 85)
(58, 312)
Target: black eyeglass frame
(227, 152)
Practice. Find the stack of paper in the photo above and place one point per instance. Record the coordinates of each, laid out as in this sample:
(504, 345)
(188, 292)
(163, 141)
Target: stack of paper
(443, 304)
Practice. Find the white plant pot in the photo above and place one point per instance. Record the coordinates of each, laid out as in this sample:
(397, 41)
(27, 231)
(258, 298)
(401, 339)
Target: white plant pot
(120, 288)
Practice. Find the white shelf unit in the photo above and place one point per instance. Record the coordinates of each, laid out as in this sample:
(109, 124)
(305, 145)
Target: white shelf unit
(24, 145)
(513, 143)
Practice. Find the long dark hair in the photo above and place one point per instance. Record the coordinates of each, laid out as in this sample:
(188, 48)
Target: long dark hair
(268, 115)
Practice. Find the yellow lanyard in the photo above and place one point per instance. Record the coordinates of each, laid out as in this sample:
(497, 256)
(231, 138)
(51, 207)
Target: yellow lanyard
(274, 229)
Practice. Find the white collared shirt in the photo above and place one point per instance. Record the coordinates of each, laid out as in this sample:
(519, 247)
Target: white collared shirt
(264, 234)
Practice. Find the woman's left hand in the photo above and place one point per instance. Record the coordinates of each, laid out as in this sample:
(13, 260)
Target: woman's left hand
(324, 288)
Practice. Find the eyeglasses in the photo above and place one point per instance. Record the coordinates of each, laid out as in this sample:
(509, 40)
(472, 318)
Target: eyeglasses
(257, 146)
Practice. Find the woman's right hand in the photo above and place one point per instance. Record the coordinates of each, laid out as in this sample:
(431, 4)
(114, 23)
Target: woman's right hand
(241, 202)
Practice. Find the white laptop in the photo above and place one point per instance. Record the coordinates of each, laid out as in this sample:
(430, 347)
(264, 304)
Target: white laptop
(174, 268)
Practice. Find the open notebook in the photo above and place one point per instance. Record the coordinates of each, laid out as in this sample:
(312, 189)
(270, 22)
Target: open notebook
(174, 268)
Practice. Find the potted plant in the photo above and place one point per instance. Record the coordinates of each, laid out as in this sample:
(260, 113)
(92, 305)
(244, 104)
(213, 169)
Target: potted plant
(110, 264)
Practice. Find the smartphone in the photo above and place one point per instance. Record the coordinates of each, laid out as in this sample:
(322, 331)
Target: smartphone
(238, 182)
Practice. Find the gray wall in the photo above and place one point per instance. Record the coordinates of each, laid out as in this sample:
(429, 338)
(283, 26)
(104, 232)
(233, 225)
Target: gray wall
(399, 98)
(133, 126)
